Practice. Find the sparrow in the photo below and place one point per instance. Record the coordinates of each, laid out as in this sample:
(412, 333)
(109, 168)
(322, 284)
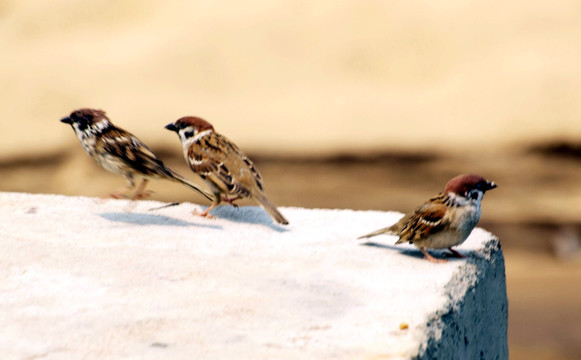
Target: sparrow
(445, 220)
(229, 173)
(120, 152)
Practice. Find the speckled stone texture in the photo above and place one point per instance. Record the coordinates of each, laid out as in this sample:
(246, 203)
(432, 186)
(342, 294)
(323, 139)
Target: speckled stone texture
(85, 278)
(473, 324)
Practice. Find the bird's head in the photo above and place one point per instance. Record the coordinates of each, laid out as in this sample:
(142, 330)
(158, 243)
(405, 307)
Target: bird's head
(469, 186)
(190, 127)
(87, 121)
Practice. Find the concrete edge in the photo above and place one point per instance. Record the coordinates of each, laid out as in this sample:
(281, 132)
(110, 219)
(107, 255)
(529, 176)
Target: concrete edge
(474, 322)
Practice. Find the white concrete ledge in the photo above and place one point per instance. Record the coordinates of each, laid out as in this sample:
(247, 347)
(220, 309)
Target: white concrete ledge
(85, 278)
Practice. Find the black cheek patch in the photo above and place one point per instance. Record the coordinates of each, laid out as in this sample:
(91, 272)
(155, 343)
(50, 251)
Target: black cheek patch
(82, 124)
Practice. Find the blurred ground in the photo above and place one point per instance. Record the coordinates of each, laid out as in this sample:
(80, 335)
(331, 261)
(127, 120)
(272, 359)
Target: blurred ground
(295, 76)
(363, 105)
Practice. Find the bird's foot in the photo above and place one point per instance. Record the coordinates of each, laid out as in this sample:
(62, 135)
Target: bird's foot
(116, 195)
(431, 258)
(142, 195)
(231, 200)
(455, 253)
(205, 213)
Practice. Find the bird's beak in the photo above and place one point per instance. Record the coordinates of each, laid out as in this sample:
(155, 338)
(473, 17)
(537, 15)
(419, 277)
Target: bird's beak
(171, 127)
(67, 120)
(490, 185)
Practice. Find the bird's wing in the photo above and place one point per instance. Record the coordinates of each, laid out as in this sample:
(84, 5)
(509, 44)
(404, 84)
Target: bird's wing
(428, 219)
(132, 151)
(220, 161)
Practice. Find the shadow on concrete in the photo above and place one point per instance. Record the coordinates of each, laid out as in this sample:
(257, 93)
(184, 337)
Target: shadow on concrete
(151, 219)
(415, 252)
(248, 215)
(241, 214)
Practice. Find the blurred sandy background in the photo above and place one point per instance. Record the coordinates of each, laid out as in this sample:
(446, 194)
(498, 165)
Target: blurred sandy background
(351, 104)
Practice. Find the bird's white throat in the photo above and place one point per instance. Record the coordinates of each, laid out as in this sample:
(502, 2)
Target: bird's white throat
(187, 142)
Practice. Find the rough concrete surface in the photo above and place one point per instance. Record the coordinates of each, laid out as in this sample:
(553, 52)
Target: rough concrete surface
(473, 324)
(91, 278)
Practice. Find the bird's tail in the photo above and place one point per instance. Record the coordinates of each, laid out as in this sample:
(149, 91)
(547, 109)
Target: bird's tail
(270, 209)
(179, 178)
(388, 230)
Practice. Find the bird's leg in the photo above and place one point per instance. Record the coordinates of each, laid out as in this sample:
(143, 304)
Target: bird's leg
(120, 193)
(430, 257)
(206, 213)
(231, 200)
(456, 253)
(141, 193)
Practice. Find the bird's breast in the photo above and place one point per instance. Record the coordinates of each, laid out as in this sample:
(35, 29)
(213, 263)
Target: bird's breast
(465, 218)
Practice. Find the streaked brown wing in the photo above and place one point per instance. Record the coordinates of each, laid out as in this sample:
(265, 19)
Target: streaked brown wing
(427, 219)
(216, 159)
(242, 161)
(132, 151)
(255, 174)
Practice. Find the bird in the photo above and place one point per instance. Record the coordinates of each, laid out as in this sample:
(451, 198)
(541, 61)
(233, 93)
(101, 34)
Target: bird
(122, 153)
(227, 171)
(445, 220)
